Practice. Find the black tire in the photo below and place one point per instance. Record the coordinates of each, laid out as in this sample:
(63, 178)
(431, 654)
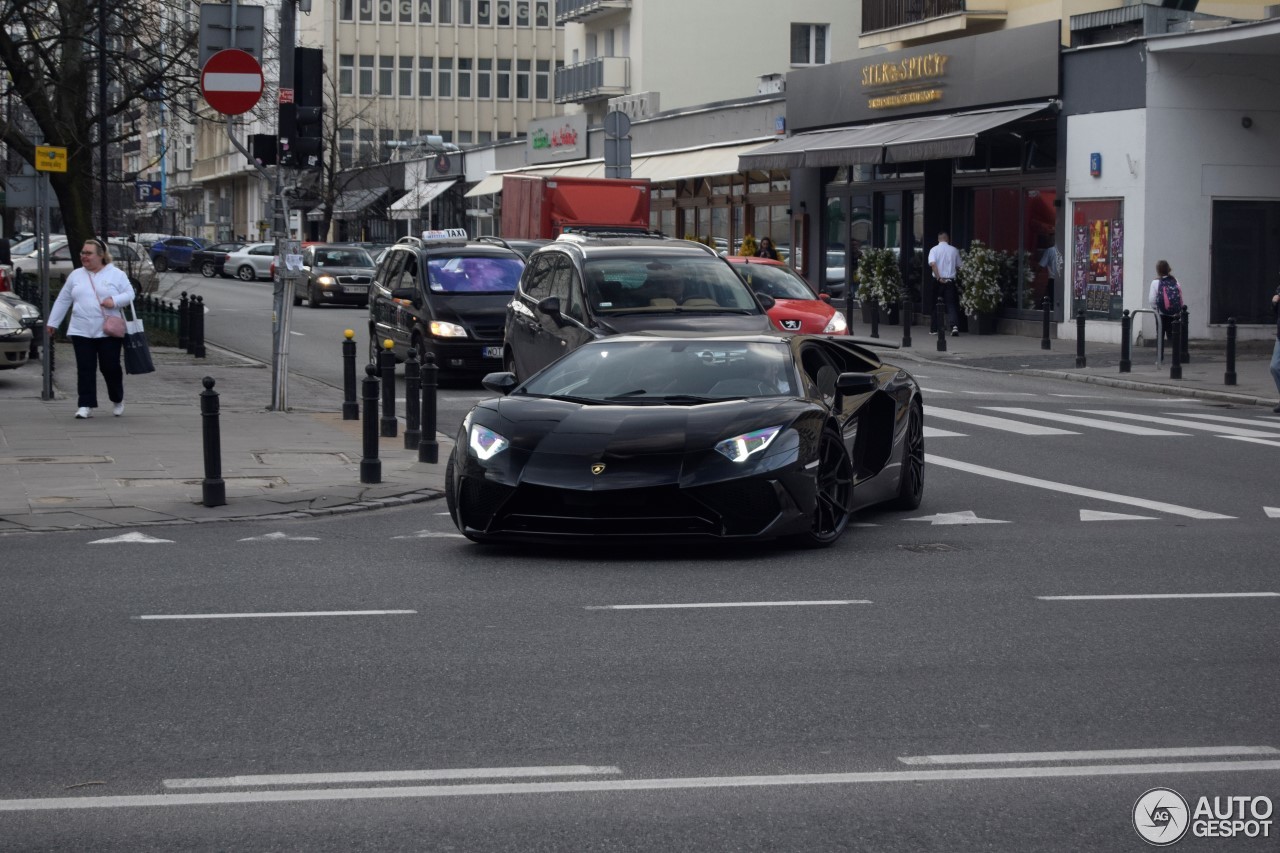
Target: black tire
(415, 342)
(246, 273)
(450, 495)
(313, 300)
(911, 478)
(297, 297)
(509, 365)
(161, 263)
(833, 492)
(208, 270)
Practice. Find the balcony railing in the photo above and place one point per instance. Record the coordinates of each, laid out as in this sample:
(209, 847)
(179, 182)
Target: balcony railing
(886, 14)
(603, 77)
(579, 11)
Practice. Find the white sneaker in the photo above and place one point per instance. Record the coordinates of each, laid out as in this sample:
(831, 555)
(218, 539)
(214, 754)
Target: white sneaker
(118, 409)
(84, 412)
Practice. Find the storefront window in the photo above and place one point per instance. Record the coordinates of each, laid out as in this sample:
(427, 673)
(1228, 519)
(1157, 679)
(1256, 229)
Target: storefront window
(1097, 257)
(1041, 259)
(996, 221)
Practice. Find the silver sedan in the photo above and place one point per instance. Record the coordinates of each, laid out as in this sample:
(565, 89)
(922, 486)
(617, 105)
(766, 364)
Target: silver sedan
(251, 262)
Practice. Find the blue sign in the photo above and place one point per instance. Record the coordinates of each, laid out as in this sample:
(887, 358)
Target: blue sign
(1095, 164)
(148, 192)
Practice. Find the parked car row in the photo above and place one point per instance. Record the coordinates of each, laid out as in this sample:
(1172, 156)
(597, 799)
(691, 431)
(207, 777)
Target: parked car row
(63, 258)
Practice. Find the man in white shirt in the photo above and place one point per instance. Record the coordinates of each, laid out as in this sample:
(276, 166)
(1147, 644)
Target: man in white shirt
(944, 260)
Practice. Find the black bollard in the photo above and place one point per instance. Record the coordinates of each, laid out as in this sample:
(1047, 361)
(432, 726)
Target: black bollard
(939, 314)
(1080, 361)
(1175, 368)
(412, 412)
(907, 308)
(198, 324)
(428, 447)
(1229, 378)
(1186, 331)
(1044, 323)
(212, 488)
(1126, 327)
(390, 426)
(184, 323)
(370, 464)
(350, 408)
(875, 319)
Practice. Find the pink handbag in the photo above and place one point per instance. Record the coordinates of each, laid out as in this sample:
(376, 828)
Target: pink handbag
(112, 324)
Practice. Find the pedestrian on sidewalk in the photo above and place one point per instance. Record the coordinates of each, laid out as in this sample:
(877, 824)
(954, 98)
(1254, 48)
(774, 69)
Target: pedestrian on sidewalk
(1165, 298)
(944, 260)
(767, 249)
(92, 292)
(1275, 353)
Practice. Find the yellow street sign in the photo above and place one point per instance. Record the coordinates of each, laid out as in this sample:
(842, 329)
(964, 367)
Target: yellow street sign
(51, 159)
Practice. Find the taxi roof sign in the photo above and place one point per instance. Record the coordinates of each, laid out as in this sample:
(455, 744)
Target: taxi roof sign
(446, 236)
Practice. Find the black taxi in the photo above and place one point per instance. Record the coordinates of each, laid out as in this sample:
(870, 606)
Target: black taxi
(445, 294)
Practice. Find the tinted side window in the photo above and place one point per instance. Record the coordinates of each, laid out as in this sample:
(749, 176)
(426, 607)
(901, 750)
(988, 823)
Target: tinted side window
(389, 275)
(565, 286)
(538, 284)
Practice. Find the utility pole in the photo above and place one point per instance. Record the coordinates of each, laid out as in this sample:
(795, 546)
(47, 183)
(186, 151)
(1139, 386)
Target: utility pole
(286, 248)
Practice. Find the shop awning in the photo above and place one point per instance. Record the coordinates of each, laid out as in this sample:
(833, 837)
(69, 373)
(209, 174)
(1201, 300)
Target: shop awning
(704, 162)
(488, 185)
(410, 205)
(924, 138)
(349, 203)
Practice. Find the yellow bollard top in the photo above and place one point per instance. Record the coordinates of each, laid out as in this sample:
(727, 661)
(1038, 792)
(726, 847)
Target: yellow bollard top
(388, 343)
(349, 334)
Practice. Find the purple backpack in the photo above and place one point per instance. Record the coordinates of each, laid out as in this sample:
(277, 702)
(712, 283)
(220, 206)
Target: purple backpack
(1169, 296)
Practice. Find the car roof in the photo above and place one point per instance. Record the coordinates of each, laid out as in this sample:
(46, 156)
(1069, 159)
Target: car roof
(472, 248)
(625, 246)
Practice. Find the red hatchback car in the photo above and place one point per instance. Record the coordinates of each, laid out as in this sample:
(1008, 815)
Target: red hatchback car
(797, 308)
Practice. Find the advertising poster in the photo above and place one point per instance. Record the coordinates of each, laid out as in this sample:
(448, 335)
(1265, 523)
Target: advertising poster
(1098, 256)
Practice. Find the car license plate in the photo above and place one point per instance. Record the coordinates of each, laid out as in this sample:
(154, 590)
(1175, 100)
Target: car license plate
(354, 288)
(493, 352)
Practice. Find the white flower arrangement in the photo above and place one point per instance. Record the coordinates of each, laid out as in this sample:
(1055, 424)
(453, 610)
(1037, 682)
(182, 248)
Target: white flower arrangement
(879, 278)
(980, 273)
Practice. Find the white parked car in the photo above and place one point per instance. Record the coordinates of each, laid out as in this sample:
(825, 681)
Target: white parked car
(19, 322)
(251, 262)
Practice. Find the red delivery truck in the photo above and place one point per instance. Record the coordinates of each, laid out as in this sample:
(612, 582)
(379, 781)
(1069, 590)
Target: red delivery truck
(540, 206)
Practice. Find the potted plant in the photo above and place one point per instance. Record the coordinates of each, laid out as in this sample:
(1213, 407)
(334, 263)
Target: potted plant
(749, 246)
(981, 270)
(879, 282)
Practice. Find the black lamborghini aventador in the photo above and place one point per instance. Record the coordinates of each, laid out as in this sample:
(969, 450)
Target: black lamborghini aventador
(690, 438)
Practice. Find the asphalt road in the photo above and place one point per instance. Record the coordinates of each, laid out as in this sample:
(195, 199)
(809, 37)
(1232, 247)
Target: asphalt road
(1071, 619)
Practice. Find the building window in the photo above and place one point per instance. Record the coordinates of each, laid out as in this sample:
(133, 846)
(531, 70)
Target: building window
(484, 12)
(406, 11)
(424, 76)
(542, 13)
(346, 145)
(464, 78)
(347, 11)
(809, 44)
(464, 12)
(366, 145)
(484, 136)
(484, 79)
(464, 137)
(522, 13)
(386, 72)
(522, 79)
(504, 14)
(385, 136)
(424, 11)
(504, 79)
(542, 86)
(366, 74)
(346, 73)
(444, 8)
(385, 11)
(444, 77)
(406, 76)
(366, 11)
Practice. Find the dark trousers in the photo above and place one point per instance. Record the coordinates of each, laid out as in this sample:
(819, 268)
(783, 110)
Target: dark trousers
(94, 355)
(951, 299)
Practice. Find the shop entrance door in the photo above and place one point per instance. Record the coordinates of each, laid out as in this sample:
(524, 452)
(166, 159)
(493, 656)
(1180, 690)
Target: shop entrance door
(899, 225)
(1245, 261)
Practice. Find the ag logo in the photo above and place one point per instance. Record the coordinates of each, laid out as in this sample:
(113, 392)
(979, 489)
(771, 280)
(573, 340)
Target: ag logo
(597, 468)
(1161, 816)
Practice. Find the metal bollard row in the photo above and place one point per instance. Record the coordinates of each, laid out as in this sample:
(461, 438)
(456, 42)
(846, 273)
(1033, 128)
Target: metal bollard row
(421, 385)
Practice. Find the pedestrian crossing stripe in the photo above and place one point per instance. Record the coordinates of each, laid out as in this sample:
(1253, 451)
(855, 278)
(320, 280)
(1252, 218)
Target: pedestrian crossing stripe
(1129, 429)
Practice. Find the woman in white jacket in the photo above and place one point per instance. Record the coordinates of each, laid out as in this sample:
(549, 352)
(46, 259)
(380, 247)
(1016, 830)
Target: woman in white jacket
(93, 291)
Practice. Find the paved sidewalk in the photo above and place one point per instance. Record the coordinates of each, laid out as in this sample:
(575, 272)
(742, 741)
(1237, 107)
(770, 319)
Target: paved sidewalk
(58, 473)
(147, 467)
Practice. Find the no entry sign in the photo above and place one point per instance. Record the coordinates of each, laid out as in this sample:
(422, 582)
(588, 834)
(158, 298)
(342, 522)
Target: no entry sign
(231, 82)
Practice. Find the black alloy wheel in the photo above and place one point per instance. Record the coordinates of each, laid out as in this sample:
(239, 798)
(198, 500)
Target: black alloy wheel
(911, 478)
(161, 263)
(208, 270)
(834, 490)
(313, 297)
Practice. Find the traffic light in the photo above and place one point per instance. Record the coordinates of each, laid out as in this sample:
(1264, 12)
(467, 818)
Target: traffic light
(302, 122)
(262, 148)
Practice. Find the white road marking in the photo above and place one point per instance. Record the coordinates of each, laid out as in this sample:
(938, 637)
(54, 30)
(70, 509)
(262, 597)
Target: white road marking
(1089, 755)
(1162, 769)
(392, 776)
(1087, 396)
(299, 334)
(1185, 424)
(1001, 393)
(1272, 511)
(431, 534)
(130, 537)
(1226, 420)
(1067, 488)
(992, 422)
(1267, 442)
(934, 432)
(725, 604)
(968, 516)
(1079, 421)
(862, 524)
(279, 536)
(1155, 595)
(280, 614)
(934, 390)
(1099, 515)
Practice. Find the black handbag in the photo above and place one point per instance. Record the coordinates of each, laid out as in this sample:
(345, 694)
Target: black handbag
(137, 352)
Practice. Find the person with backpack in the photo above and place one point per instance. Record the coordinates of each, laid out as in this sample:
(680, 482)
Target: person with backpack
(1165, 297)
